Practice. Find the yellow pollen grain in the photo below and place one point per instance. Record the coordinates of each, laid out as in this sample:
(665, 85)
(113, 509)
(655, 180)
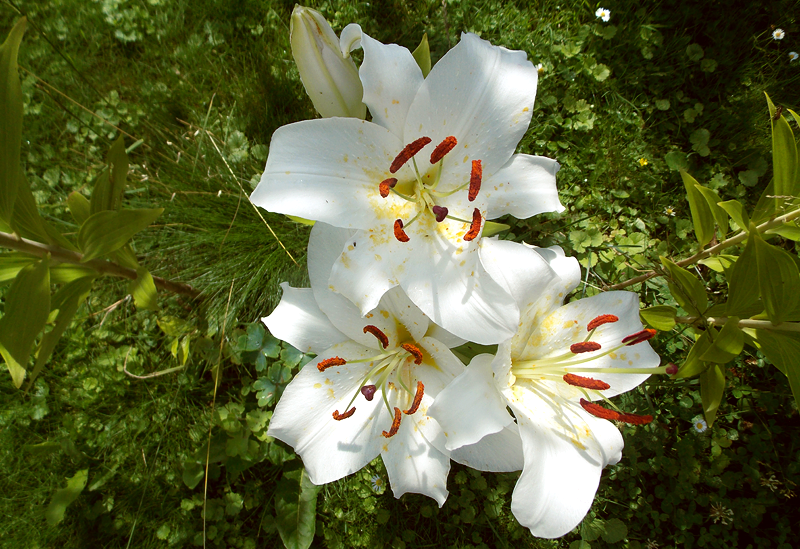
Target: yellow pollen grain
(525, 109)
(328, 381)
(395, 102)
(377, 257)
(623, 356)
(578, 444)
(317, 385)
(288, 173)
(385, 314)
(368, 315)
(612, 356)
(630, 363)
(345, 261)
(466, 158)
(346, 158)
(330, 394)
(351, 247)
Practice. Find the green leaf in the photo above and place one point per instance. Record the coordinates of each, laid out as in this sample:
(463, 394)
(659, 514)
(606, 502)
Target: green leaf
(591, 529)
(143, 290)
(29, 224)
(778, 279)
(784, 155)
(491, 228)
(712, 386)
(743, 283)
(660, 317)
(693, 365)
(615, 531)
(12, 263)
(676, 160)
(713, 199)
(296, 509)
(110, 185)
(107, 231)
(789, 231)
(736, 210)
(422, 55)
(721, 263)
(302, 220)
(782, 349)
(702, 218)
(63, 497)
(580, 544)
(11, 115)
(79, 207)
(193, 473)
(727, 344)
(765, 208)
(26, 310)
(687, 290)
(64, 273)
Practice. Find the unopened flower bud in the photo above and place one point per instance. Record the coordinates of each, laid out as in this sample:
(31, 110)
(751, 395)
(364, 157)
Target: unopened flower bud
(330, 79)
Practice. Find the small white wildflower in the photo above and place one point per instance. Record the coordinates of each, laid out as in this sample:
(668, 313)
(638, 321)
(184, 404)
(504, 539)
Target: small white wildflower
(378, 485)
(670, 211)
(699, 425)
(651, 544)
(793, 55)
(539, 68)
(778, 34)
(772, 483)
(720, 513)
(605, 15)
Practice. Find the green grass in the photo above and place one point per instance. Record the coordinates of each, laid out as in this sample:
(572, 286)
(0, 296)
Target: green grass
(185, 75)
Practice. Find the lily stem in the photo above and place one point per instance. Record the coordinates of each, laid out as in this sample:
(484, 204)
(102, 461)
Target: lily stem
(746, 323)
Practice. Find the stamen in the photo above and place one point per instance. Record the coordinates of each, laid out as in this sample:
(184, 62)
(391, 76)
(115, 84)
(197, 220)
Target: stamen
(387, 185)
(408, 152)
(638, 337)
(475, 227)
(635, 419)
(440, 212)
(395, 424)
(443, 148)
(328, 362)
(584, 347)
(415, 352)
(417, 399)
(475, 180)
(598, 411)
(586, 382)
(339, 417)
(600, 320)
(369, 392)
(374, 330)
(399, 233)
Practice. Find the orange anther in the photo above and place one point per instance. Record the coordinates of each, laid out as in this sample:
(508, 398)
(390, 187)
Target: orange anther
(598, 411)
(638, 337)
(635, 419)
(386, 185)
(475, 180)
(443, 148)
(475, 226)
(328, 362)
(408, 152)
(417, 399)
(395, 424)
(600, 320)
(339, 417)
(374, 330)
(584, 347)
(399, 233)
(415, 352)
(586, 382)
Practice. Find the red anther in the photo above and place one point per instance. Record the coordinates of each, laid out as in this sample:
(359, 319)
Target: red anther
(440, 212)
(672, 369)
(408, 152)
(369, 392)
(600, 320)
(586, 382)
(475, 180)
(386, 185)
(339, 417)
(415, 352)
(475, 226)
(443, 148)
(598, 411)
(635, 419)
(328, 362)
(417, 399)
(374, 330)
(584, 347)
(395, 424)
(399, 233)
(638, 337)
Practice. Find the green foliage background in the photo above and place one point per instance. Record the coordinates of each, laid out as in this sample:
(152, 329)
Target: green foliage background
(204, 83)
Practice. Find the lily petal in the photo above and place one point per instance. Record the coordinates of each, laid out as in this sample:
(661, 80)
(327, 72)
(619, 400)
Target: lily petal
(524, 187)
(499, 452)
(518, 267)
(565, 450)
(298, 320)
(329, 170)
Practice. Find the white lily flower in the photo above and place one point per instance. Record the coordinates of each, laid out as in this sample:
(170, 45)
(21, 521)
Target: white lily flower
(368, 391)
(420, 180)
(329, 77)
(542, 375)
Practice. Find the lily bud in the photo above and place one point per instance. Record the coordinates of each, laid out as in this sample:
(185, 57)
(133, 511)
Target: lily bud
(330, 79)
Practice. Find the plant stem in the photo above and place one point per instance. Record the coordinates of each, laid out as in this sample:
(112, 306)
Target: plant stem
(62, 255)
(702, 254)
(746, 323)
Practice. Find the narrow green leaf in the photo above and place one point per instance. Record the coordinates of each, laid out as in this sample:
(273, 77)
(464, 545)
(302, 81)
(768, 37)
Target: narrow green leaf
(789, 231)
(143, 290)
(79, 206)
(743, 296)
(422, 55)
(125, 257)
(784, 155)
(27, 222)
(660, 317)
(693, 365)
(12, 263)
(795, 116)
(302, 220)
(765, 208)
(491, 228)
(110, 185)
(712, 387)
(26, 310)
(63, 497)
(702, 218)
(687, 290)
(296, 509)
(782, 349)
(778, 279)
(727, 345)
(736, 210)
(11, 115)
(109, 230)
(721, 263)
(712, 200)
(64, 273)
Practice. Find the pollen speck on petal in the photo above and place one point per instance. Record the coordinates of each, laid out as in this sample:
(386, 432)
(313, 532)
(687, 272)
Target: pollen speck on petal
(328, 362)
(414, 351)
(584, 347)
(443, 148)
(386, 185)
(408, 152)
(417, 399)
(586, 382)
(475, 180)
(475, 226)
(339, 417)
(395, 424)
(399, 233)
(600, 320)
(374, 330)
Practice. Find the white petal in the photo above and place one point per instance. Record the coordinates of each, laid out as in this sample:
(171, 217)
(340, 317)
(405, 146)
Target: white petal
(471, 407)
(303, 419)
(481, 94)
(414, 464)
(390, 75)
(446, 338)
(524, 187)
(329, 170)
(298, 320)
(565, 450)
(499, 452)
(519, 268)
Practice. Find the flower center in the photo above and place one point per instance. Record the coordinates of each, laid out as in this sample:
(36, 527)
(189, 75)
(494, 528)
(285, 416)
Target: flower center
(388, 370)
(425, 195)
(568, 366)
